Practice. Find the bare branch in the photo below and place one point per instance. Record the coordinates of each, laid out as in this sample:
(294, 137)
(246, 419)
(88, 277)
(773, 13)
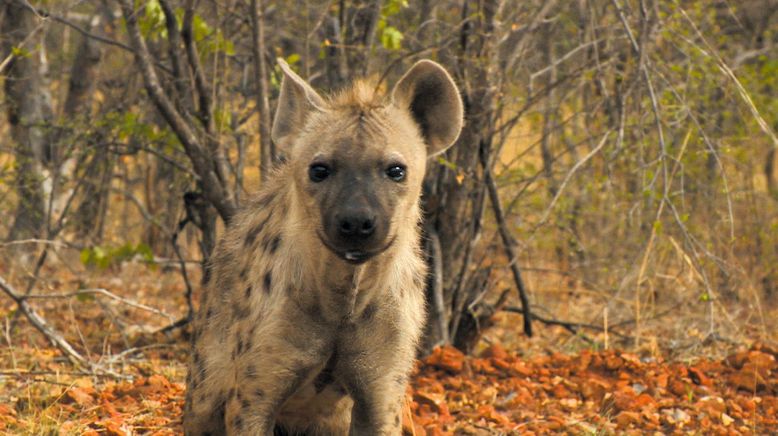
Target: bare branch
(572, 171)
(216, 191)
(101, 291)
(39, 323)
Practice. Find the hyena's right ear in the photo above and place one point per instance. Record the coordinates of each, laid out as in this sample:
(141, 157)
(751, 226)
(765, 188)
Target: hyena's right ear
(431, 96)
(296, 101)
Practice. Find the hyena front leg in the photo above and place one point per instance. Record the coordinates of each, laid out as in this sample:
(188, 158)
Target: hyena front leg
(376, 377)
(205, 395)
(378, 406)
(267, 375)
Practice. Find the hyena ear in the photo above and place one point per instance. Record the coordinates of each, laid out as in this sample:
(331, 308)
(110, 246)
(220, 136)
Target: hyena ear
(295, 102)
(431, 96)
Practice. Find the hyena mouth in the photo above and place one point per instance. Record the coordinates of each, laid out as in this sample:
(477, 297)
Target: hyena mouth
(354, 256)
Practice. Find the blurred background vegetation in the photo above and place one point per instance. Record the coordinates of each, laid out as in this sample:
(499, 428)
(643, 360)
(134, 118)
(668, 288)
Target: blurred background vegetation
(618, 162)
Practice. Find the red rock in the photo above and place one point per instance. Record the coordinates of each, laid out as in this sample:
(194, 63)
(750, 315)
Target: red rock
(625, 419)
(698, 377)
(521, 369)
(496, 351)
(80, 396)
(747, 380)
(737, 360)
(761, 360)
(437, 402)
(613, 362)
(483, 366)
(678, 388)
(712, 406)
(501, 364)
(447, 358)
(644, 401)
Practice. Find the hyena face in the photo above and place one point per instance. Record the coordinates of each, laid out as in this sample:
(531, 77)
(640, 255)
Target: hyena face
(358, 159)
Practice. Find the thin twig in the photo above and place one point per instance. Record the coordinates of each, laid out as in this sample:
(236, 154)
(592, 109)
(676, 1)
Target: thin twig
(101, 291)
(188, 294)
(33, 241)
(507, 243)
(569, 176)
(39, 323)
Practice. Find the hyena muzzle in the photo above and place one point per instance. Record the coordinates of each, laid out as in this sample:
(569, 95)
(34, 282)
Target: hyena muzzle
(315, 302)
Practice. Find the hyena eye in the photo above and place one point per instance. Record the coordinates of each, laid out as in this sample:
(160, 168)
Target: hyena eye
(318, 172)
(396, 172)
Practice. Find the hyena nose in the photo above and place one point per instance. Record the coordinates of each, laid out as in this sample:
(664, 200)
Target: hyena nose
(358, 225)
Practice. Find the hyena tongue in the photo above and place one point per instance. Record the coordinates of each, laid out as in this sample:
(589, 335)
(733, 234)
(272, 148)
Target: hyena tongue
(354, 256)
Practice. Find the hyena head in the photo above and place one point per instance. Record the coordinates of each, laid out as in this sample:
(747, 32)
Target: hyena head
(358, 159)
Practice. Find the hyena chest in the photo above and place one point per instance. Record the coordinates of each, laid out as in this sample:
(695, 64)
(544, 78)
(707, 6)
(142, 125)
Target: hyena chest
(324, 399)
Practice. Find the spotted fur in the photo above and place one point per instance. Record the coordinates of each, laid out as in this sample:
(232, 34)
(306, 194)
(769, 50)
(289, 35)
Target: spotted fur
(292, 335)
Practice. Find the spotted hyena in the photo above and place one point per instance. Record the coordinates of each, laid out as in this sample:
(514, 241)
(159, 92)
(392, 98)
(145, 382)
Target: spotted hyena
(310, 320)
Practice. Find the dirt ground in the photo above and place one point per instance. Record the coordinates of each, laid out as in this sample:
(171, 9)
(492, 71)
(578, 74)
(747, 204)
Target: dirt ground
(591, 382)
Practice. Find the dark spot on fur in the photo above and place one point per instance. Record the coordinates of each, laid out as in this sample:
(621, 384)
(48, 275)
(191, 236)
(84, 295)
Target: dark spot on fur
(270, 243)
(248, 291)
(237, 422)
(209, 313)
(369, 311)
(251, 371)
(259, 393)
(206, 274)
(325, 377)
(251, 236)
(200, 370)
(312, 311)
(232, 392)
(300, 372)
(244, 272)
(240, 310)
(399, 379)
(397, 420)
(266, 199)
(267, 283)
(275, 243)
(340, 389)
(239, 349)
(418, 281)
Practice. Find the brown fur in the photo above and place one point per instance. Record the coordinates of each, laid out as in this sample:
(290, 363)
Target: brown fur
(289, 334)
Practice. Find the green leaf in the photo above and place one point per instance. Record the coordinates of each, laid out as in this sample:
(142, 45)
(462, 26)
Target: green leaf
(391, 38)
(20, 52)
(85, 256)
(83, 298)
(447, 163)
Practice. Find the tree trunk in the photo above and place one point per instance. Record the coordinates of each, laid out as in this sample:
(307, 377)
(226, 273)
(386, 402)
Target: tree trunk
(454, 198)
(267, 153)
(99, 166)
(28, 112)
